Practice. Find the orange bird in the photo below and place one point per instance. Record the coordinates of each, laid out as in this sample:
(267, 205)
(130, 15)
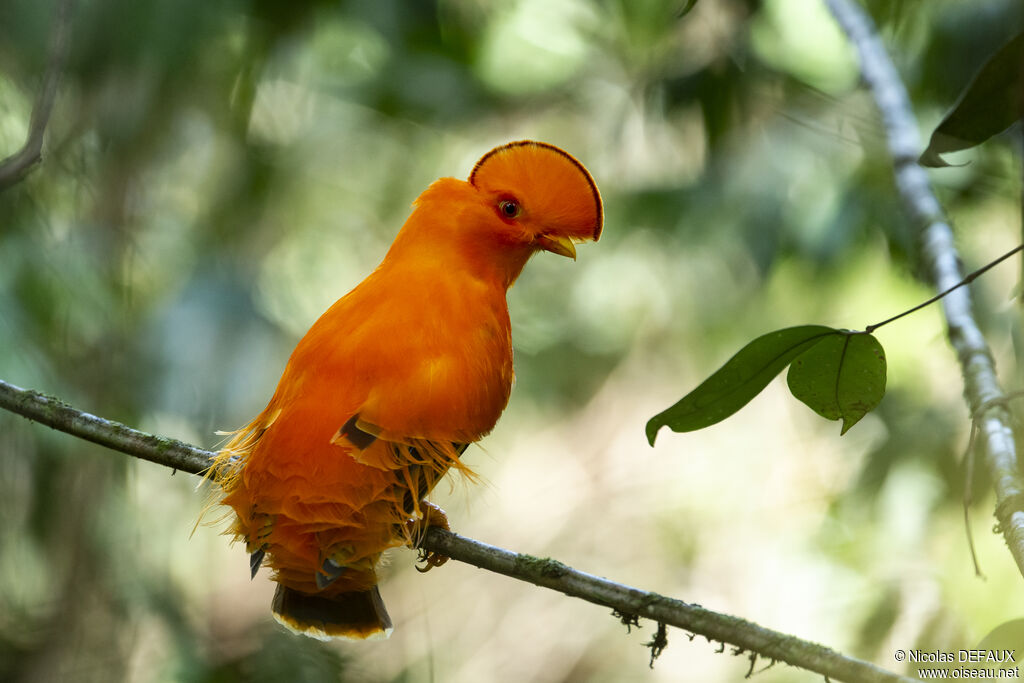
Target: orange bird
(391, 384)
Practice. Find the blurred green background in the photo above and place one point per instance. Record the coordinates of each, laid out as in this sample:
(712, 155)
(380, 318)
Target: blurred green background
(217, 173)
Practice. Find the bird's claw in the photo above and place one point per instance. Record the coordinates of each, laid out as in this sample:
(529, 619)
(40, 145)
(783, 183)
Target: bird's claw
(430, 560)
(432, 516)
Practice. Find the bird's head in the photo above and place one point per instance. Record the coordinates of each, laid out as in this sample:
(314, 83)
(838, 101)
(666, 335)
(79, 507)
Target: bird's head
(520, 198)
(541, 197)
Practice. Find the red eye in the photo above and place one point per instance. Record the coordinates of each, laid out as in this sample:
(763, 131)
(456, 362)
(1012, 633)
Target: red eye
(509, 208)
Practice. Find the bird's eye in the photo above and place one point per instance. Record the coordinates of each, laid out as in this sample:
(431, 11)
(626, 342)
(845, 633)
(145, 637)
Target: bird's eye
(509, 208)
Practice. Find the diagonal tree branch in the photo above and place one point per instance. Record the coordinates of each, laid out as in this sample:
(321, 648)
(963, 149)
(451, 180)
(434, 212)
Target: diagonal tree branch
(55, 413)
(984, 396)
(747, 638)
(18, 165)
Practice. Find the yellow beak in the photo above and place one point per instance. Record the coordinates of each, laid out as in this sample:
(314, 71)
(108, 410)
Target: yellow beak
(557, 244)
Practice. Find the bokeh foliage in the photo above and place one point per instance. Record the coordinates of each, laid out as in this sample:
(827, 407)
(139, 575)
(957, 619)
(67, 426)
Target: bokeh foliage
(217, 173)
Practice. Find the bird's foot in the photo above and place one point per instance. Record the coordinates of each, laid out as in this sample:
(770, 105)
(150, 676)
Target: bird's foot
(432, 516)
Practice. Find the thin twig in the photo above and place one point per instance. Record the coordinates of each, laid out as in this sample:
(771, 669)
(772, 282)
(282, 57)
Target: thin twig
(18, 165)
(981, 386)
(968, 279)
(548, 573)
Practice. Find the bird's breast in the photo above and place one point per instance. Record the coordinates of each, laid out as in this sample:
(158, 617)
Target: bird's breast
(443, 366)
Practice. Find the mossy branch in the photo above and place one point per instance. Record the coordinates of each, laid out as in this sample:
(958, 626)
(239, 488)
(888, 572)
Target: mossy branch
(55, 413)
(628, 603)
(985, 397)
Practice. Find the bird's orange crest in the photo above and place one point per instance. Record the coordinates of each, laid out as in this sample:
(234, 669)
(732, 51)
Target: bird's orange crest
(551, 186)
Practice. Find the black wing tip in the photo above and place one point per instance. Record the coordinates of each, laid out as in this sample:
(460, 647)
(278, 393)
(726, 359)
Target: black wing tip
(255, 561)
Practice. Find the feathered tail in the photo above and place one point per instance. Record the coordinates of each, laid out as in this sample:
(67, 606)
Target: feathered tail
(355, 616)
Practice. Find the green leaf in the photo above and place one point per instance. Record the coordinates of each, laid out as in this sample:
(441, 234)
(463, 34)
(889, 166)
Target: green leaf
(739, 380)
(840, 377)
(992, 101)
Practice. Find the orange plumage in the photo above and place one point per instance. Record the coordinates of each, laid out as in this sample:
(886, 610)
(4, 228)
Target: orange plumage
(387, 388)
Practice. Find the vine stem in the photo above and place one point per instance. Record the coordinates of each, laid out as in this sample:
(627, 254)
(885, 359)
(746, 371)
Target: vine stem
(985, 398)
(968, 279)
(746, 637)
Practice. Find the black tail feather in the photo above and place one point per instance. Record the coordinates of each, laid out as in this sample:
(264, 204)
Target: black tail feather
(357, 616)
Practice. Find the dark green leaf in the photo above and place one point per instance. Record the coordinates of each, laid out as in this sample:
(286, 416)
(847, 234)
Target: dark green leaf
(739, 380)
(840, 377)
(992, 101)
